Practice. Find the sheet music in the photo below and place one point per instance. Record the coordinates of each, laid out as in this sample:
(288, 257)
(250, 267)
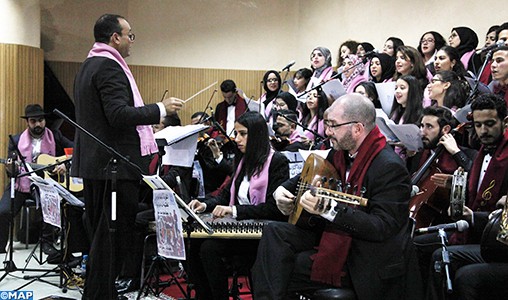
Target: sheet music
(334, 88)
(306, 153)
(407, 134)
(50, 203)
(386, 93)
(181, 144)
(156, 183)
(62, 191)
(169, 229)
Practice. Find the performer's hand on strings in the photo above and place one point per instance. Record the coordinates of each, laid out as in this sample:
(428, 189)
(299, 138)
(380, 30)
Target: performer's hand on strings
(197, 206)
(285, 200)
(220, 211)
(312, 204)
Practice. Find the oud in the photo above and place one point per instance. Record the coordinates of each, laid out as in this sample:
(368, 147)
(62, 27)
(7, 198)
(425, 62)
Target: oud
(319, 176)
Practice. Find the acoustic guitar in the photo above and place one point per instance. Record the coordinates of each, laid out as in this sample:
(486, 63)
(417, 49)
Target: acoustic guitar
(44, 160)
(318, 169)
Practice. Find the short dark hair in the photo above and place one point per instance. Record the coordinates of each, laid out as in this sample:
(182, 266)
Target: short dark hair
(444, 115)
(288, 113)
(502, 48)
(199, 114)
(105, 26)
(228, 85)
(501, 27)
(490, 101)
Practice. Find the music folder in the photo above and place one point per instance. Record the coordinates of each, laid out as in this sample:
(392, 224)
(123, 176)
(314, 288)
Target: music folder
(156, 183)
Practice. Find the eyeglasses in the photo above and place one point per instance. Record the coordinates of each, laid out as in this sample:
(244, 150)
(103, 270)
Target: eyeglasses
(272, 80)
(423, 41)
(453, 35)
(328, 125)
(434, 80)
(132, 37)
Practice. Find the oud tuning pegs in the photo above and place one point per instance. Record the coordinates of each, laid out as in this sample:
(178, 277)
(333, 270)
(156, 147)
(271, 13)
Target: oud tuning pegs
(362, 191)
(348, 186)
(339, 186)
(331, 181)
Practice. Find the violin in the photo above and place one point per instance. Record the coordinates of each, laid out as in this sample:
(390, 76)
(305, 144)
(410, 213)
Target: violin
(279, 142)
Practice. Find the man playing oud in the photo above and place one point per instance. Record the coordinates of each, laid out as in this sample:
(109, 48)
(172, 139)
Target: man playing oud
(355, 245)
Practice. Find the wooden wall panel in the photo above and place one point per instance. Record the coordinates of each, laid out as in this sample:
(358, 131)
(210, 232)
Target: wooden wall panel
(180, 82)
(21, 83)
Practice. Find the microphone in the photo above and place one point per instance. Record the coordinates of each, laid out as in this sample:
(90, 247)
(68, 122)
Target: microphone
(371, 53)
(291, 63)
(493, 46)
(460, 226)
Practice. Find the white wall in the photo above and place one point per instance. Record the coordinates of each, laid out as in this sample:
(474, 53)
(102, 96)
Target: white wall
(20, 22)
(255, 34)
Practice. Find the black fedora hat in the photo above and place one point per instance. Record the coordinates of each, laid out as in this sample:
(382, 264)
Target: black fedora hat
(34, 110)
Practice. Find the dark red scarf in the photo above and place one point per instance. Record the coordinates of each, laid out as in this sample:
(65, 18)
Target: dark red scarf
(222, 110)
(334, 244)
(490, 190)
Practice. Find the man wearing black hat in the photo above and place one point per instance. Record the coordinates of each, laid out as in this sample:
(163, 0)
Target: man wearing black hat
(36, 139)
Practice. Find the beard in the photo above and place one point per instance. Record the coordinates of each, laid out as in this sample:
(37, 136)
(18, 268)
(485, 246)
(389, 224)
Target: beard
(431, 144)
(346, 142)
(36, 131)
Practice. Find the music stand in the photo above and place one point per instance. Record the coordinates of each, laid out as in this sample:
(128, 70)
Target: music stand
(118, 156)
(9, 266)
(159, 262)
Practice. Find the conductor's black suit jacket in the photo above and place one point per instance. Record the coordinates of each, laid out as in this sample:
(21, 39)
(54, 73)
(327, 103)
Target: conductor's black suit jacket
(105, 107)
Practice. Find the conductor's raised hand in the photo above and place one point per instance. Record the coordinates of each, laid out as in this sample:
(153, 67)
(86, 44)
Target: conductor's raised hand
(172, 105)
(285, 200)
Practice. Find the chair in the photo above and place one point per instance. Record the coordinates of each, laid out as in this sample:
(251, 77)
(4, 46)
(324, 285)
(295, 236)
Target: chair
(343, 293)
(29, 204)
(238, 266)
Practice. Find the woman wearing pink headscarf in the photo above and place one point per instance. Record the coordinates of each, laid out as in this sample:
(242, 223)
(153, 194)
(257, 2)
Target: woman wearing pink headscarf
(353, 72)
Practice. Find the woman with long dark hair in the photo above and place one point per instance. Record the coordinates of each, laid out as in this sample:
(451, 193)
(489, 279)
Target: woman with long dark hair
(407, 106)
(407, 103)
(449, 90)
(313, 112)
(259, 171)
(430, 43)
(391, 45)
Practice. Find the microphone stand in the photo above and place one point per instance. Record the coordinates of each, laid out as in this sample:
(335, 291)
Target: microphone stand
(115, 157)
(474, 90)
(317, 136)
(445, 260)
(363, 61)
(9, 265)
(284, 82)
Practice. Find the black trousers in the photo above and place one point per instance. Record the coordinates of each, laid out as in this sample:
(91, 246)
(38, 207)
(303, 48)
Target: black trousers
(110, 247)
(472, 278)
(211, 261)
(283, 262)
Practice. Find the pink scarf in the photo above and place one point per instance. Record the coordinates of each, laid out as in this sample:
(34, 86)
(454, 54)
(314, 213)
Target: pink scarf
(146, 138)
(258, 183)
(25, 147)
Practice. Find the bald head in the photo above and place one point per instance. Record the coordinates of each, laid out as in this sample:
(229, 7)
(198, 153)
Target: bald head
(355, 107)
